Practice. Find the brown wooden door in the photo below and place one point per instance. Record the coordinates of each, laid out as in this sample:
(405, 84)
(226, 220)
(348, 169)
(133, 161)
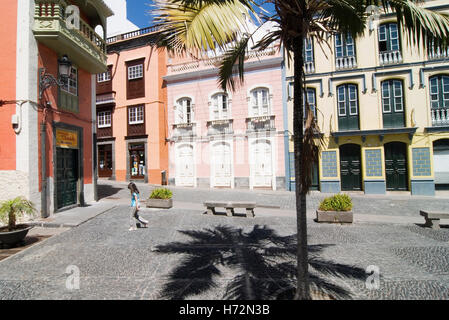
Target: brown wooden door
(105, 161)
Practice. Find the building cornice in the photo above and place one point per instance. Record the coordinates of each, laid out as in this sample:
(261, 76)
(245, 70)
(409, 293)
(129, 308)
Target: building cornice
(249, 66)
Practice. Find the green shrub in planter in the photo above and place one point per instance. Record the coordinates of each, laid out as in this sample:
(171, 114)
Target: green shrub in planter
(161, 193)
(339, 202)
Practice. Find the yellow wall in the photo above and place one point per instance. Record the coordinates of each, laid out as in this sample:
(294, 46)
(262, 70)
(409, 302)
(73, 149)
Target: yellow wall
(416, 99)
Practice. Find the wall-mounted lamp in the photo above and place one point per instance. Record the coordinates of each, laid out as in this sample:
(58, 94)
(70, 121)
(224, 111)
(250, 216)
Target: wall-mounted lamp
(47, 80)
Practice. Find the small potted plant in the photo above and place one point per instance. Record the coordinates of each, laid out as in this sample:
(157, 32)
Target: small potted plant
(336, 209)
(160, 198)
(10, 210)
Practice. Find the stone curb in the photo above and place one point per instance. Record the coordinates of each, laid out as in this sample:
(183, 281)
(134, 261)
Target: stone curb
(56, 225)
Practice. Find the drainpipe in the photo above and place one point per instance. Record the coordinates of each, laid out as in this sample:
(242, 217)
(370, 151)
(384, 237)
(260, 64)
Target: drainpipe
(44, 212)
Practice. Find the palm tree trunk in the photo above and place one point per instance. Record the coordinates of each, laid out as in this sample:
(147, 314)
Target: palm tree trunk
(302, 291)
(12, 221)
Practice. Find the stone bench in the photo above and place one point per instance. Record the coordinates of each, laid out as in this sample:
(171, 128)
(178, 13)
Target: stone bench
(433, 218)
(230, 206)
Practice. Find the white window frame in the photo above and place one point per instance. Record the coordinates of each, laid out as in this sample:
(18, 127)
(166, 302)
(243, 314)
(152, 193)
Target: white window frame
(386, 86)
(181, 111)
(257, 105)
(104, 119)
(351, 101)
(71, 83)
(136, 115)
(217, 103)
(341, 102)
(445, 101)
(396, 105)
(104, 77)
(308, 48)
(135, 72)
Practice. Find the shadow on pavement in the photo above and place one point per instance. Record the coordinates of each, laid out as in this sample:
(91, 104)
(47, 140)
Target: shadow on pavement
(264, 265)
(105, 190)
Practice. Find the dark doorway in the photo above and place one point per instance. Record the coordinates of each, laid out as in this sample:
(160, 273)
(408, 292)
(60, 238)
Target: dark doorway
(66, 177)
(105, 161)
(350, 167)
(137, 161)
(396, 166)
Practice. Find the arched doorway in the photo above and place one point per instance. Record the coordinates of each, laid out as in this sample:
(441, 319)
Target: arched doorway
(441, 164)
(350, 167)
(396, 166)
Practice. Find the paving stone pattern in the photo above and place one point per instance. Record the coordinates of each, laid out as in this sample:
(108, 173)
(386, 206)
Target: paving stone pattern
(117, 264)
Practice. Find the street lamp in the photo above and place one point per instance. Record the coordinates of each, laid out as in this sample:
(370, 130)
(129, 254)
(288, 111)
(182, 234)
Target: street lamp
(47, 80)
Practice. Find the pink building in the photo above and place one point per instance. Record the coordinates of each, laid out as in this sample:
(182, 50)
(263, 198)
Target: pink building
(226, 139)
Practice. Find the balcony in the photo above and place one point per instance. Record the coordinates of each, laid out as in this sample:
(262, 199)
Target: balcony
(260, 123)
(84, 46)
(309, 67)
(438, 53)
(107, 98)
(440, 117)
(390, 57)
(214, 62)
(184, 130)
(132, 34)
(343, 63)
(220, 127)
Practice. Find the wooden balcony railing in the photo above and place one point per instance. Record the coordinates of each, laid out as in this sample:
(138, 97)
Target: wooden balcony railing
(85, 47)
(106, 98)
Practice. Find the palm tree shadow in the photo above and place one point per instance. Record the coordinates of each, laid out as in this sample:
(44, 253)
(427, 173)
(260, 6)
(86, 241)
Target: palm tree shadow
(263, 262)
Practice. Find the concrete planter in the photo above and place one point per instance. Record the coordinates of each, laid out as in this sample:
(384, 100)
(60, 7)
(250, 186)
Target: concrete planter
(11, 238)
(160, 203)
(334, 216)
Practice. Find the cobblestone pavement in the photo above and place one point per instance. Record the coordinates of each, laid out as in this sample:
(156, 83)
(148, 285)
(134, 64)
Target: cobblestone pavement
(396, 204)
(115, 263)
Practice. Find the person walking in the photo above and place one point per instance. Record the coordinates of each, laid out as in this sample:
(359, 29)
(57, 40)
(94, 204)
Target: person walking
(135, 206)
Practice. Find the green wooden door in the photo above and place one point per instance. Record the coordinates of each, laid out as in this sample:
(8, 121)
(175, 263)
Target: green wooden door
(350, 167)
(396, 166)
(66, 177)
(393, 104)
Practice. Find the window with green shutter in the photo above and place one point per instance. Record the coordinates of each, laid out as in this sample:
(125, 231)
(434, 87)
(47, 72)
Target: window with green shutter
(393, 104)
(439, 100)
(348, 107)
(68, 92)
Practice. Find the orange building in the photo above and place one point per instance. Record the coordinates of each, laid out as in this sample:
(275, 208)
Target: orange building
(132, 110)
(50, 58)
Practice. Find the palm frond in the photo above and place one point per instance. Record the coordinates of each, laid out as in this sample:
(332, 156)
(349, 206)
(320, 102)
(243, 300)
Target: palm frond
(198, 27)
(234, 57)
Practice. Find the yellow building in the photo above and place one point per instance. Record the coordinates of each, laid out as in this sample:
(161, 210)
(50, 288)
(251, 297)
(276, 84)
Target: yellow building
(383, 107)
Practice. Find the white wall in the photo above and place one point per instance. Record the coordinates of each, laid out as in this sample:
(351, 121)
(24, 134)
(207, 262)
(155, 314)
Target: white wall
(118, 23)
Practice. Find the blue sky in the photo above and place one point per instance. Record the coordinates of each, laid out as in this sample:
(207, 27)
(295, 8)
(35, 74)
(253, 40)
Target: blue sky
(138, 12)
